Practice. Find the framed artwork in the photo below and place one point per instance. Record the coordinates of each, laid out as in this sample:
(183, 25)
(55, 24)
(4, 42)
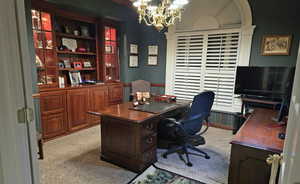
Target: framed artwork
(152, 60)
(71, 44)
(276, 45)
(75, 78)
(133, 61)
(108, 49)
(152, 50)
(133, 49)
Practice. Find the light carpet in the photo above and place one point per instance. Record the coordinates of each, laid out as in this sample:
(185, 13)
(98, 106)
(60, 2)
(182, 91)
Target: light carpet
(75, 159)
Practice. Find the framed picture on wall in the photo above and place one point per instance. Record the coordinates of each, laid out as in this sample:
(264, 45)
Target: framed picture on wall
(152, 60)
(133, 61)
(152, 50)
(276, 45)
(133, 49)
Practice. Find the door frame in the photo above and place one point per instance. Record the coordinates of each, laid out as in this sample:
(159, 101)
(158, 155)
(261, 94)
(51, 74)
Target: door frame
(291, 158)
(18, 147)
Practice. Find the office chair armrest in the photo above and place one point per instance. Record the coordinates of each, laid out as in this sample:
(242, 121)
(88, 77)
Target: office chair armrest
(175, 127)
(172, 121)
(206, 128)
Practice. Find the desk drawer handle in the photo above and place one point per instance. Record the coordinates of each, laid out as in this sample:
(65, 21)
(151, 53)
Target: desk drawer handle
(149, 126)
(149, 140)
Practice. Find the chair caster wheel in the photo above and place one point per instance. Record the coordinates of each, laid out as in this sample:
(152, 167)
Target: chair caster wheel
(189, 164)
(207, 157)
(164, 156)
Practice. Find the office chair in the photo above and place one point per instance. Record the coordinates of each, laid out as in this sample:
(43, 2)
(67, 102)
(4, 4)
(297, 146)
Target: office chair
(182, 133)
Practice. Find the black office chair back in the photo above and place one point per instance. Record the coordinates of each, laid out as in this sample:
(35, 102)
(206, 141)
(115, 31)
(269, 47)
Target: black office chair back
(200, 110)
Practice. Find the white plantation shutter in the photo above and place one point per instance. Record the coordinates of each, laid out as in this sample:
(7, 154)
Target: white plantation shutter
(187, 77)
(207, 61)
(220, 68)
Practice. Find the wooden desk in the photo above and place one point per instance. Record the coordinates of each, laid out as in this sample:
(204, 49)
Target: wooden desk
(129, 137)
(254, 142)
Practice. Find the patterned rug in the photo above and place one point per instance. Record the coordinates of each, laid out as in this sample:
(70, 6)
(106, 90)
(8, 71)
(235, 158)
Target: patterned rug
(155, 175)
(209, 171)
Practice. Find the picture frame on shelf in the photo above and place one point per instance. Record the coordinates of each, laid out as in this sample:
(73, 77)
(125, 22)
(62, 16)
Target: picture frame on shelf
(133, 61)
(67, 63)
(108, 49)
(87, 64)
(75, 78)
(71, 44)
(273, 45)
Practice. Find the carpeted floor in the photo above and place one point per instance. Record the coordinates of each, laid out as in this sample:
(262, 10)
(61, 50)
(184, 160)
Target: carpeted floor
(74, 159)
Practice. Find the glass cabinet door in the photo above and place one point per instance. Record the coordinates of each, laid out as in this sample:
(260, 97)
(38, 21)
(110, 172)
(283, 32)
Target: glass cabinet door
(111, 54)
(43, 42)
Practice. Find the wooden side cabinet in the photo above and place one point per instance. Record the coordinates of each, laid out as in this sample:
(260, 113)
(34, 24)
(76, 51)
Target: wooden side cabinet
(248, 165)
(115, 93)
(78, 105)
(53, 114)
(256, 140)
(98, 100)
(64, 111)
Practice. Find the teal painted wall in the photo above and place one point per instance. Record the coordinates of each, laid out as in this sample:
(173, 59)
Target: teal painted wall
(155, 74)
(274, 17)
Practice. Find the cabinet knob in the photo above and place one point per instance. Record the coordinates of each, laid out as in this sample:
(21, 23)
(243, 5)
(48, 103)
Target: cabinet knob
(149, 126)
(149, 140)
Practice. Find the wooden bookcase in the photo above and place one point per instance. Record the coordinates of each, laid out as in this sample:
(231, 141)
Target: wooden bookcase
(68, 29)
(64, 110)
(62, 38)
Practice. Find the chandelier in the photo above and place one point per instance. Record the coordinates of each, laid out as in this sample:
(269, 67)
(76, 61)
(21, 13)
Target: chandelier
(163, 15)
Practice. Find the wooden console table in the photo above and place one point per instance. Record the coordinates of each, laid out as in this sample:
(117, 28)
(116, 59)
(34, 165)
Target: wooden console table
(129, 137)
(252, 145)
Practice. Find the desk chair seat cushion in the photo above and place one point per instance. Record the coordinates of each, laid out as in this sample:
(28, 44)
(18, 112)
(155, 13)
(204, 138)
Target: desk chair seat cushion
(172, 131)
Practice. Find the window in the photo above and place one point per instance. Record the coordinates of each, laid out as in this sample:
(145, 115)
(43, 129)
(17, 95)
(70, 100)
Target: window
(207, 61)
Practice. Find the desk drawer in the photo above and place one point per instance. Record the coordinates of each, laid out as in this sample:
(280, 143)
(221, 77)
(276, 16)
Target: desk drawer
(149, 156)
(148, 142)
(149, 128)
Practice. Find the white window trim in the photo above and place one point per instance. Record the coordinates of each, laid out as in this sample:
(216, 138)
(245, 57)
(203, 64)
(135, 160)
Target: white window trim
(246, 34)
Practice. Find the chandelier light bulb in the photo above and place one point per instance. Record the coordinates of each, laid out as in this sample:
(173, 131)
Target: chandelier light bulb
(137, 3)
(181, 2)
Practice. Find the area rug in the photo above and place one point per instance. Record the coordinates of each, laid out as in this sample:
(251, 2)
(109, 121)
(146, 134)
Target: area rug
(155, 175)
(209, 171)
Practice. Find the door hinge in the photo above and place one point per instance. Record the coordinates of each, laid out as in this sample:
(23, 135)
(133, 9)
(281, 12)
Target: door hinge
(25, 115)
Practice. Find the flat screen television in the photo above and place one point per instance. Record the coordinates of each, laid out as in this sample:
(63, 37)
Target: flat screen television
(270, 82)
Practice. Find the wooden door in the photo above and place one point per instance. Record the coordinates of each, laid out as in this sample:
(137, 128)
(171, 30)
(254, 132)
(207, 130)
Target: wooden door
(115, 93)
(98, 101)
(53, 114)
(78, 106)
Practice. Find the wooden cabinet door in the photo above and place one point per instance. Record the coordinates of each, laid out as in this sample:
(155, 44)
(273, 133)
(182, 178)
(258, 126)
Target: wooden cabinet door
(53, 125)
(53, 114)
(98, 101)
(78, 106)
(115, 93)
